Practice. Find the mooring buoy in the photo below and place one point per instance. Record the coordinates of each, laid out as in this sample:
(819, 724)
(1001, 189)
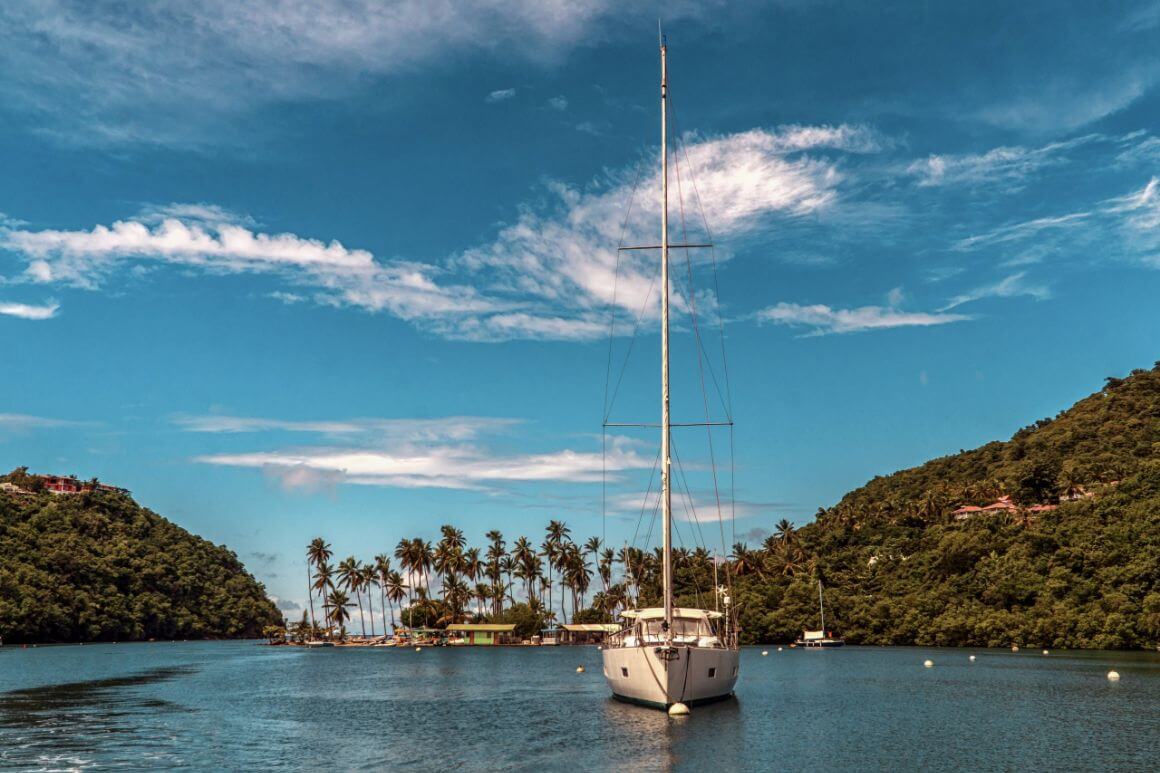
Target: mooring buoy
(972, 658)
(928, 663)
(678, 710)
(764, 653)
(1113, 676)
(579, 669)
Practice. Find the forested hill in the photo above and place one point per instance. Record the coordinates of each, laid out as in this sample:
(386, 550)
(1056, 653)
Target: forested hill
(96, 566)
(1072, 561)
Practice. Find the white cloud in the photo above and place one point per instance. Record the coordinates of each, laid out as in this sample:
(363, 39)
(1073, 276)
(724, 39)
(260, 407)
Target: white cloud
(119, 73)
(551, 274)
(1023, 230)
(21, 421)
(500, 95)
(337, 274)
(26, 311)
(449, 466)
(558, 103)
(409, 430)
(1138, 216)
(563, 255)
(1008, 287)
(823, 319)
(1006, 165)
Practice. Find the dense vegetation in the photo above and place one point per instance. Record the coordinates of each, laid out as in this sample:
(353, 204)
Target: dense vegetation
(96, 566)
(898, 567)
(900, 570)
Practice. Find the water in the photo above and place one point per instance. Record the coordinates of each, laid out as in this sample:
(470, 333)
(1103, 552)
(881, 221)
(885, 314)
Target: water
(238, 705)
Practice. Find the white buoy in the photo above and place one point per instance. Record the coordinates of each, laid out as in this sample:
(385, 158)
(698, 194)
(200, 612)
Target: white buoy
(764, 653)
(678, 710)
(972, 658)
(1045, 652)
(928, 663)
(1113, 676)
(418, 649)
(779, 649)
(579, 669)
(1014, 647)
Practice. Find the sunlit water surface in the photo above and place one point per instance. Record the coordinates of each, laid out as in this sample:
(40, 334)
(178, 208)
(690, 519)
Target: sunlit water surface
(240, 705)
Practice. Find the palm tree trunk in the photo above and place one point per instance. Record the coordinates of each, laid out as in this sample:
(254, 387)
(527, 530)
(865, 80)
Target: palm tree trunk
(361, 617)
(383, 607)
(371, 610)
(310, 593)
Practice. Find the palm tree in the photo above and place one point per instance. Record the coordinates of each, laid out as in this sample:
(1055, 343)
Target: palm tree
(396, 589)
(350, 577)
(744, 561)
(317, 552)
(337, 606)
(472, 564)
(508, 566)
(368, 582)
(403, 555)
(1070, 484)
(607, 557)
(785, 531)
(523, 552)
(382, 573)
(482, 594)
(324, 584)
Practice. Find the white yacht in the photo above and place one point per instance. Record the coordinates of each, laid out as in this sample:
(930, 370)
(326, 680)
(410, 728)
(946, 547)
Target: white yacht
(820, 639)
(671, 657)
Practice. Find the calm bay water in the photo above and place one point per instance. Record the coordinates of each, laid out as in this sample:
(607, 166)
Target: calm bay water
(238, 705)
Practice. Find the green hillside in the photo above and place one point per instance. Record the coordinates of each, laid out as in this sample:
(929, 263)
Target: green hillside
(900, 569)
(97, 566)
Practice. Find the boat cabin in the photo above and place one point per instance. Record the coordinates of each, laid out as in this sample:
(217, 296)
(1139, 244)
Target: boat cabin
(696, 627)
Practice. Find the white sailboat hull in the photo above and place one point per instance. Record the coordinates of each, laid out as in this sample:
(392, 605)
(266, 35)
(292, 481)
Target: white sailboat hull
(696, 675)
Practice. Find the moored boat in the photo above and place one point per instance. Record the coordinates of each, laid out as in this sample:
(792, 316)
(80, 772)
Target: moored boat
(820, 639)
(668, 656)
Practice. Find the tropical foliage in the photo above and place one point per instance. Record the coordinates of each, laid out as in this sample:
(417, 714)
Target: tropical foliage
(900, 569)
(98, 567)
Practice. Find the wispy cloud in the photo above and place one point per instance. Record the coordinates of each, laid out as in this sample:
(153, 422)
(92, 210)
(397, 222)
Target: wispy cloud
(500, 95)
(26, 311)
(563, 255)
(143, 72)
(1026, 229)
(551, 274)
(558, 103)
(448, 466)
(22, 421)
(1008, 166)
(336, 274)
(823, 320)
(1012, 286)
(409, 430)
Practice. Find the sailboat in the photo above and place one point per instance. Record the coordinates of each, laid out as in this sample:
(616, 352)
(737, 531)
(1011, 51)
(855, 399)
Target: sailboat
(821, 638)
(671, 657)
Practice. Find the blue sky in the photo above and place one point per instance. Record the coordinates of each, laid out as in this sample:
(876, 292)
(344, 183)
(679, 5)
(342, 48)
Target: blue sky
(346, 268)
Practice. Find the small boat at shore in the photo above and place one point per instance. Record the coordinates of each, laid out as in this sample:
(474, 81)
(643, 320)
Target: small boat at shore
(820, 639)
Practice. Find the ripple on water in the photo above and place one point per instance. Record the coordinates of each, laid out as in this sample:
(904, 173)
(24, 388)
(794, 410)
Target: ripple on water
(235, 705)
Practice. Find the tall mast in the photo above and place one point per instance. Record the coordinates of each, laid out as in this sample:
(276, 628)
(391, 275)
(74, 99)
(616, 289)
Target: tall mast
(666, 469)
(822, 606)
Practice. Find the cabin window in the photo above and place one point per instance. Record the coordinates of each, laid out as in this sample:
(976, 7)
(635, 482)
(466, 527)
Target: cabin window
(624, 672)
(712, 672)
